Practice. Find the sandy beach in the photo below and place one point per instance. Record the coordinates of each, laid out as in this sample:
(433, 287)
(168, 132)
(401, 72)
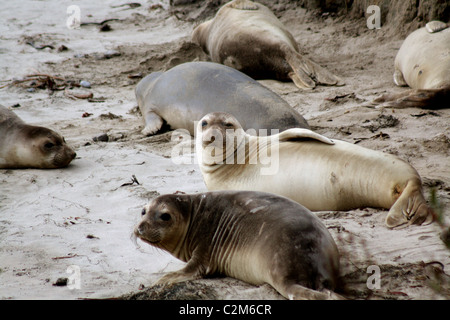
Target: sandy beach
(78, 221)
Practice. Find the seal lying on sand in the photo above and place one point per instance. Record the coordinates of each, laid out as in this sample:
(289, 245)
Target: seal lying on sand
(423, 63)
(185, 93)
(247, 36)
(252, 236)
(27, 146)
(317, 172)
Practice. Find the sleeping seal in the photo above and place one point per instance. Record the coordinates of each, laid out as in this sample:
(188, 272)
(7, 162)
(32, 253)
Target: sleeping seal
(185, 93)
(247, 36)
(28, 146)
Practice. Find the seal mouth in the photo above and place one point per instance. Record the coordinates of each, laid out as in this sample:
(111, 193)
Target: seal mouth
(140, 234)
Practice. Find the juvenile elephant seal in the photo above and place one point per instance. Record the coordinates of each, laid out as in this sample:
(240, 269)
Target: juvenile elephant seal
(247, 36)
(317, 172)
(252, 236)
(185, 93)
(27, 146)
(423, 63)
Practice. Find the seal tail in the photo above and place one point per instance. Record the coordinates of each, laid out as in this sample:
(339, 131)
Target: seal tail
(410, 208)
(306, 73)
(419, 98)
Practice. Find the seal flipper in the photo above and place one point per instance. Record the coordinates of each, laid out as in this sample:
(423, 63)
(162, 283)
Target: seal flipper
(153, 123)
(300, 133)
(192, 271)
(399, 80)
(410, 207)
(435, 26)
(418, 98)
(298, 292)
(306, 73)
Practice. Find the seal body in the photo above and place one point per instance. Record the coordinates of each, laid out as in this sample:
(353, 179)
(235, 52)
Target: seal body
(185, 93)
(252, 236)
(28, 146)
(317, 172)
(247, 36)
(423, 63)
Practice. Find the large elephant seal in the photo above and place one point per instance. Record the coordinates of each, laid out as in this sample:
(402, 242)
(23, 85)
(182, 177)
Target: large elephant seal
(185, 93)
(423, 63)
(247, 36)
(317, 172)
(28, 146)
(252, 236)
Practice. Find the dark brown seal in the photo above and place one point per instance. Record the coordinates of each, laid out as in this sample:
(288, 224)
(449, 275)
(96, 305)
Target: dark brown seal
(256, 237)
(28, 146)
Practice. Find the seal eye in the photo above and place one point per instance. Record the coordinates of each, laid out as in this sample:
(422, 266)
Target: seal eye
(143, 212)
(165, 217)
(204, 123)
(49, 145)
(229, 125)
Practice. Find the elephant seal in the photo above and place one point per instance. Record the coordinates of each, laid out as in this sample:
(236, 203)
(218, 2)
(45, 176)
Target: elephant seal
(317, 172)
(247, 36)
(185, 93)
(256, 237)
(28, 146)
(423, 63)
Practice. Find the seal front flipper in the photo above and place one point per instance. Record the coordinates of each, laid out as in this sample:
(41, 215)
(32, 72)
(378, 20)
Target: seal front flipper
(153, 123)
(299, 292)
(300, 133)
(399, 80)
(435, 26)
(192, 271)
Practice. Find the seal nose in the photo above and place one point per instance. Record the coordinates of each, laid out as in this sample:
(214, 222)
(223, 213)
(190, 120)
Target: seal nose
(141, 228)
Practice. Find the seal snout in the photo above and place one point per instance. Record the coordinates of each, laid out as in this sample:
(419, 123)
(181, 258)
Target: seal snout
(141, 229)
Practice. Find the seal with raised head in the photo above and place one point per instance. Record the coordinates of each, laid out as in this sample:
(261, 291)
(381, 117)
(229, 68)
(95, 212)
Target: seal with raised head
(28, 146)
(185, 93)
(247, 36)
(256, 237)
(423, 63)
(317, 172)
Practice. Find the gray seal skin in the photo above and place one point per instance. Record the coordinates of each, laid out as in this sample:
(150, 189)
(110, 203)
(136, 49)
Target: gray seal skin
(317, 172)
(256, 237)
(28, 146)
(423, 64)
(247, 36)
(185, 93)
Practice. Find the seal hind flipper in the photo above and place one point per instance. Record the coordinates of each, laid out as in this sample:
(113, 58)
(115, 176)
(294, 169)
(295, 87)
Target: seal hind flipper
(410, 207)
(308, 73)
(435, 26)
(419, 98)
